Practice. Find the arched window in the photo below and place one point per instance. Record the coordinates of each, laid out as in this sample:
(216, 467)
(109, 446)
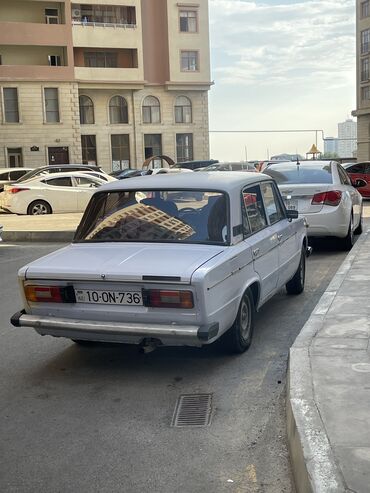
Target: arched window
(183, 112)
(86, 110)
(118, 112)
(151, 110)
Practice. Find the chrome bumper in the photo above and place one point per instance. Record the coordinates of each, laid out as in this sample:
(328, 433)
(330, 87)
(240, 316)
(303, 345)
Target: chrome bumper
(94, 330)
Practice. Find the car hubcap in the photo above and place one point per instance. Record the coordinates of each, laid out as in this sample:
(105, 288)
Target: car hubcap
(245, 319)
(38, 209)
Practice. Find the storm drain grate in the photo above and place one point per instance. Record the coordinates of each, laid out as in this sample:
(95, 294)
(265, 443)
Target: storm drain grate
(193, 410)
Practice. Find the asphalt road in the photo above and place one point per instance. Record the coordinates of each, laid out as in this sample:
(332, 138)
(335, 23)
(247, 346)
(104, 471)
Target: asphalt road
(97, 419)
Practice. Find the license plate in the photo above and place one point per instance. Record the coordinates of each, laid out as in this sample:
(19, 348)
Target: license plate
(291, 205)
(109, 297)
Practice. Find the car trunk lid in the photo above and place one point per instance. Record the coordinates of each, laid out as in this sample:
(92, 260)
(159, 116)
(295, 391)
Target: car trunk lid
(134, 262)
(299, 197)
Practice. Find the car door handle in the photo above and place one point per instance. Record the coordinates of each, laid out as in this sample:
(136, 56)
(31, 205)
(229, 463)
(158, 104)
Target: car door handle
(279, 237)
(256, 251)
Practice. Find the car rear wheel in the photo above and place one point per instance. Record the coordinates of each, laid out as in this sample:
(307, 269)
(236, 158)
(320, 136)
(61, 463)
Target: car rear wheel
(38, 207)
(296, 284)
(239, 337)
(348, 241)
(358, 230)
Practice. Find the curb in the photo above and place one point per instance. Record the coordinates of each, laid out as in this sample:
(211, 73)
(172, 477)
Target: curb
(313, 463)
(38, 236)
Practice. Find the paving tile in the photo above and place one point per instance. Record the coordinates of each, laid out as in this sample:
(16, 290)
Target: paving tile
(355, 466)
(349, 305)
(340, 343)
(351, 326)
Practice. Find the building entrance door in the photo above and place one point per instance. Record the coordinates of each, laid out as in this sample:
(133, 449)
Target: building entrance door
(15, 158)
(58, 155)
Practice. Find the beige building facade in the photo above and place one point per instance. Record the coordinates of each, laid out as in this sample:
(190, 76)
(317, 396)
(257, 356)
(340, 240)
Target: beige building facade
(363, 79)
(110, 82)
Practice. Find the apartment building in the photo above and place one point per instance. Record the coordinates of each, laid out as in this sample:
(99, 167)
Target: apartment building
(363, 79)
(110, 82)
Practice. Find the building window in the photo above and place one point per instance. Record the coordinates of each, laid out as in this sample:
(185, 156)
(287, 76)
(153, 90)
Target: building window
(88, 144)
(183, 112)
(365, 40)
(120, 151)
(365, 93)
(188, 21)
(365, 9)
(51, 105)
(54, 60)
(151, 110)
(152, 145)
(51, 16)
(11, 110)
(86, 110)
(364, 69)
(189, 61)
(184, 147)
(118, 111)
(101, 59)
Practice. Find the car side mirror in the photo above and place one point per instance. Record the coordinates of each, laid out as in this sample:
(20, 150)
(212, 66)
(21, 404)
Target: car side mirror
(291, 214)
(359, 183)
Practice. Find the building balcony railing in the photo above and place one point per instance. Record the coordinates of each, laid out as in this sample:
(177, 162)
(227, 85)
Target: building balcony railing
(104, 24)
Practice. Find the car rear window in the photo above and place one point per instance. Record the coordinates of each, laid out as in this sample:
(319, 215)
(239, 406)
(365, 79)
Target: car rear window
(310, 173)
(184, 216)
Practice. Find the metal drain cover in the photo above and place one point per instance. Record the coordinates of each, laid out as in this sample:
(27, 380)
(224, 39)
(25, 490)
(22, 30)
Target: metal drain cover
(193, 410)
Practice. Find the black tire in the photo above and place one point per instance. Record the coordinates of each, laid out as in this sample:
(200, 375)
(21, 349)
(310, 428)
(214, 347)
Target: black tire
(239, 337)
(359, 228)
(348, 241)
(296, 284)
(38, 207)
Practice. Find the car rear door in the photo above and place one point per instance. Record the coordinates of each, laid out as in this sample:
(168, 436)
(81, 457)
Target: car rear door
(353, 194)
(261, 238)
(60, 194)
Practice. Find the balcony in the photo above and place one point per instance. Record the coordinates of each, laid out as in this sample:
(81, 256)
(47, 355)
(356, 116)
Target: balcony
(35, 72)
(21, 33)
(33, 11)
(97, 36)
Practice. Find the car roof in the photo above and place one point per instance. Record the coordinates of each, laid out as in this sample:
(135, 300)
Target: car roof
(304, 164)
(65, 174)
(4, 170)
(228, 181)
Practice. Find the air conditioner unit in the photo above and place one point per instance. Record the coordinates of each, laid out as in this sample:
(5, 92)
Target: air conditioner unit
(76, 13)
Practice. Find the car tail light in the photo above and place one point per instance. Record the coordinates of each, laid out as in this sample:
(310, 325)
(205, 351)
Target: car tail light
(49, 294)
(333, 197)
(159, 298)
(16, 190)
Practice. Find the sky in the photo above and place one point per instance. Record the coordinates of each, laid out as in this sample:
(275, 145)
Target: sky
(279, 64)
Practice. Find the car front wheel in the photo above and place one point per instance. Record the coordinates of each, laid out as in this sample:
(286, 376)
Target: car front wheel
(239, 337)
(296, 284)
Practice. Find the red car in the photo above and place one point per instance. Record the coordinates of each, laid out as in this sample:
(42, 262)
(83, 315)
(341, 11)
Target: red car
(359, 171)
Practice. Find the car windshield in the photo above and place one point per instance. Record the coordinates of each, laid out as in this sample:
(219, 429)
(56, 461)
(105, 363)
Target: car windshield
(187, 216)
(28, 175)
(293, 173)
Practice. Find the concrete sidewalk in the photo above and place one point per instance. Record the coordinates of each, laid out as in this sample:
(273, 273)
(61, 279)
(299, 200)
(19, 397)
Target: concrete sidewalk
(328, 402)
(52, 228)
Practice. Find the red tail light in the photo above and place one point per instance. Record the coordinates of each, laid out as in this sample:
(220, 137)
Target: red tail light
(49, 294)
(169, 299)
(333, 197)
(16, 190)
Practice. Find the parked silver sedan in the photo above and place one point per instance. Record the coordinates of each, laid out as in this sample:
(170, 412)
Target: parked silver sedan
(150, 265)
(322, 192)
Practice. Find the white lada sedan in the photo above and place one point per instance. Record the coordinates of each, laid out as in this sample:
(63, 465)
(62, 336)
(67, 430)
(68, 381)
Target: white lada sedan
(151, 265)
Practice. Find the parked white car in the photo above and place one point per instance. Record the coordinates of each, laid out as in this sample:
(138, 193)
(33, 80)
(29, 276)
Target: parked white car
(51, 193)
(149, 271)
(322, 192)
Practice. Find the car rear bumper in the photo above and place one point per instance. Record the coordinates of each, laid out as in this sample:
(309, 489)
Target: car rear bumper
(327, 223)
(128, 333)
